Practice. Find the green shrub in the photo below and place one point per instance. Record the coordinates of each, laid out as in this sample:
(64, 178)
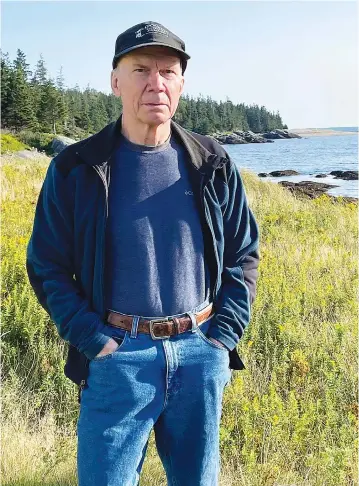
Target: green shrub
(10, 144)
(76, 133)
(41, 141)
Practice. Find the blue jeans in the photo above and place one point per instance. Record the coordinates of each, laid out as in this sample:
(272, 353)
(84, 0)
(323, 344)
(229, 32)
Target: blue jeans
(173, 385)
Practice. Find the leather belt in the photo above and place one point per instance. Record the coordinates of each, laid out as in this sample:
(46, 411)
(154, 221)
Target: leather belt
(159, 328)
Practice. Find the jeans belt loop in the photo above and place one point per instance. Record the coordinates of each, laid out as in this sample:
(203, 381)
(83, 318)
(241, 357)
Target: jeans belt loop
(135, 321)
(193, 320)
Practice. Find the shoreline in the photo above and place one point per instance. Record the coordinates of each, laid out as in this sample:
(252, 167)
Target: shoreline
(318, 132)
(307, 186)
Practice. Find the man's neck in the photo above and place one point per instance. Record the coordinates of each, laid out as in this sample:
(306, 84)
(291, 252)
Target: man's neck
(143, 134)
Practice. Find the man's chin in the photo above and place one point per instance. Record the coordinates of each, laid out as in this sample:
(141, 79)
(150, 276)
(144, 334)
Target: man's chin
(155, 119)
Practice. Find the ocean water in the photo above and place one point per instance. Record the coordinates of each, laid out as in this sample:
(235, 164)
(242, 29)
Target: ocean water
(308, 156)
(345, 129)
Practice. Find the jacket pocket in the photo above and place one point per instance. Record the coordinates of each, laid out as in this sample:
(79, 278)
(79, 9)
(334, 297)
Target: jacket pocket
(76, 366)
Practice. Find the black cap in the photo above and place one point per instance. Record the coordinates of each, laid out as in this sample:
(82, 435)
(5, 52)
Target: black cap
(148, 34)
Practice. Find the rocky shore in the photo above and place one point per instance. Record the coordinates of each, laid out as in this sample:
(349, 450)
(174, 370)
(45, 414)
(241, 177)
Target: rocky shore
(347, 175)
(241, 137)
(313, 189)
(309, 189)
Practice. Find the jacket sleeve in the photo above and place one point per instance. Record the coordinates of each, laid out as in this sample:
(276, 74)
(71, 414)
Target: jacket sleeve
(50, 266)
(240, 265)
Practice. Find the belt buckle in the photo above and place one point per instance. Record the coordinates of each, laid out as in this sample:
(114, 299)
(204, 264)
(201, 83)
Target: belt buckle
(154, 321)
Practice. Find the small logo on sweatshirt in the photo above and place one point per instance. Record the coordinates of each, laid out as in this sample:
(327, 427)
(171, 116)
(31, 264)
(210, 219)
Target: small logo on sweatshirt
(188, 193)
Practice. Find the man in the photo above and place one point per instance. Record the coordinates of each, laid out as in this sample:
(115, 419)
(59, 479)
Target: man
(144, 252)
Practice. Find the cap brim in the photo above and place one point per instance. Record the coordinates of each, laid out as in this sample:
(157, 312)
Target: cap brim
(181, 53)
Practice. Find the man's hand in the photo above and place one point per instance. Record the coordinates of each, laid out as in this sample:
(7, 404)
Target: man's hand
(109, 347)
(217, 342)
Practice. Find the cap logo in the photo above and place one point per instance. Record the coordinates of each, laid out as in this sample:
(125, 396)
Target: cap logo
(151, 29)
(139, 33)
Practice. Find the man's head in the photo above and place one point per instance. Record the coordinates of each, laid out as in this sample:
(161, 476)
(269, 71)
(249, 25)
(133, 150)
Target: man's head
(148, 68)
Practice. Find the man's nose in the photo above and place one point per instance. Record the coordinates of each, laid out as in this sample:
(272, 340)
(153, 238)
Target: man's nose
(155, 81)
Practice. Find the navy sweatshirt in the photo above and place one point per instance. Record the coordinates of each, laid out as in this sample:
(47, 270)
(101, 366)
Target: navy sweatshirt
(154, 259)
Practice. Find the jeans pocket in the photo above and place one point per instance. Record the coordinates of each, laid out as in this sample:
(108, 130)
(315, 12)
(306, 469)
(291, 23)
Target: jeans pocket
(206, 339)
(121, 341)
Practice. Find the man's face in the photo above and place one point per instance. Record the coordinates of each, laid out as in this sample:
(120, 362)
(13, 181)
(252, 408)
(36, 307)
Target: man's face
(150, 83)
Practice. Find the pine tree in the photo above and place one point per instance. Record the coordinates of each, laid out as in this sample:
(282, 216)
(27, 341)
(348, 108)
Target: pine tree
(62, 108)
(21, 112)
(98, 113)
(51, 108)
(20, 64)
(40, 74)
(6, 96)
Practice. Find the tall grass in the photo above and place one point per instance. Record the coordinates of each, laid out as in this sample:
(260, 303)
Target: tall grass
(289, 418)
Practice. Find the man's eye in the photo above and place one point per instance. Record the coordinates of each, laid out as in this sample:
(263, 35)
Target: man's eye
(139, 69)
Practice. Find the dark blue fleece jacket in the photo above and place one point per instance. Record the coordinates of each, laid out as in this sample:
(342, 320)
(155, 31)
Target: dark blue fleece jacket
(65, 253)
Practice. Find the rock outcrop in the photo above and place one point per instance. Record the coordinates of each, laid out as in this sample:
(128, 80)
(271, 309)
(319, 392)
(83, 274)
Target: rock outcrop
(60, 142)
(283, 173)
(278, 133)
(32, 154)
(347, 175)
(308, 188)
(312, 190)
(238, 137)
(241, 137)
(279, 173)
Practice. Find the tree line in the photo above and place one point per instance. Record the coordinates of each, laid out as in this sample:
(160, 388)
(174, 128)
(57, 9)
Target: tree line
(32, 100)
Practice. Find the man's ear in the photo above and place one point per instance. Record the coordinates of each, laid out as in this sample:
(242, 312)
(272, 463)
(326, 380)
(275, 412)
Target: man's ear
(182, 85)
(115, 83)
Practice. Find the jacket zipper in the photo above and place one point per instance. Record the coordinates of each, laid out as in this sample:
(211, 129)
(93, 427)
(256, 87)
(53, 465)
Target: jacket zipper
(223, 160)
(103, 178)
(99, 172)
(214, 294)
(81, 387)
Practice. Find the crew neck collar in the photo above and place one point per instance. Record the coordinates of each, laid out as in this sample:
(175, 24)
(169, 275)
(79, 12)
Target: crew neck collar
(135, 147)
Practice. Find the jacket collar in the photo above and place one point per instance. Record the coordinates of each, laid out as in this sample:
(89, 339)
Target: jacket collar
(99, 147)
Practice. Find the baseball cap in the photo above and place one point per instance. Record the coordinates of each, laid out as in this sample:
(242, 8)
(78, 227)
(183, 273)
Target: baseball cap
(148, 34)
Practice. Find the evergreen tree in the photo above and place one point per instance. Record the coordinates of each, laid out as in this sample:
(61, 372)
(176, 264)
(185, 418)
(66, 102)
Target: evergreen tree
(113, 106)
(52, 113)
(6, 83)
(62, 107)
(40, 74)
(21, 109)
(20, 64)
(98, 114)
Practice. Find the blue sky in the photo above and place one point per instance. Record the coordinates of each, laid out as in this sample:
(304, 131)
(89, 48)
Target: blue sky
(299, 58)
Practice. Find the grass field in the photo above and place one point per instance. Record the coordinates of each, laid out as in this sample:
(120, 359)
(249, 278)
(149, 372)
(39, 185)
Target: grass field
(289, 419)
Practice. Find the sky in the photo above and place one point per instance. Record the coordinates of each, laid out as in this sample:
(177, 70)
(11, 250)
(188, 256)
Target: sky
(298, 58)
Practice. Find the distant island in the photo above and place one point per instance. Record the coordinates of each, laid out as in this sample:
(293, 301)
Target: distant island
(315, 132)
